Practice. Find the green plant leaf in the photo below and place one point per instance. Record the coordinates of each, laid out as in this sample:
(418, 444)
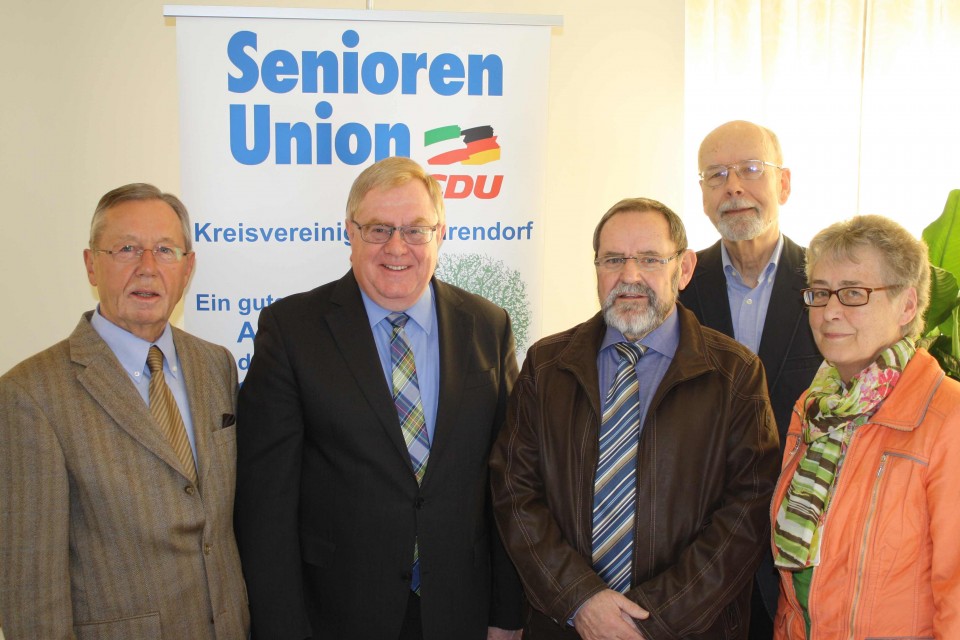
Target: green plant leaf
(940, 349)
(943, 297)
(942, 331)
(943, 236)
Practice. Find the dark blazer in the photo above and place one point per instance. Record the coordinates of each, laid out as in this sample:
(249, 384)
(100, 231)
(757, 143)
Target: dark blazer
(101, 535)
(787, 350)
(328, 506)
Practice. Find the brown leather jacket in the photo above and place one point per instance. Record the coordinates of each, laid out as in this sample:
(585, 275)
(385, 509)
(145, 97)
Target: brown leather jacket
(706, 470)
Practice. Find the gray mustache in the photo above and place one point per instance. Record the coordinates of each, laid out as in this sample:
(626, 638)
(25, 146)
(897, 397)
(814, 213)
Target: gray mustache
(737, 203)
(635, 288)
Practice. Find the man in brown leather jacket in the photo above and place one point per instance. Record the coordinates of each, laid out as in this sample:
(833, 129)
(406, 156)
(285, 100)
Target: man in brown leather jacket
(653, 531)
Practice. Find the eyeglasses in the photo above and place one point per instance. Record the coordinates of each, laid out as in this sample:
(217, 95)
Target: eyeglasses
(644, 263)
(381, 233)
(129, 253)
(848, 296)
(717, 174)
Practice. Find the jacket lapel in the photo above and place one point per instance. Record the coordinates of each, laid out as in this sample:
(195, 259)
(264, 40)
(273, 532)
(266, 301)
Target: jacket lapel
(456, 334)
(580, 358)
(351, 331)
(786, 312)
(108, 384)
(711, 291)
(202, 403)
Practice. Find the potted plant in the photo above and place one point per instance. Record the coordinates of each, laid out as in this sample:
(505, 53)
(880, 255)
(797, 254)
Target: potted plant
(941, 335)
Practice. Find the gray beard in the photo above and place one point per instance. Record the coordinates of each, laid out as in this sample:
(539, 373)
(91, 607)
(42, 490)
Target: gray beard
(741, 227)
(636, 319)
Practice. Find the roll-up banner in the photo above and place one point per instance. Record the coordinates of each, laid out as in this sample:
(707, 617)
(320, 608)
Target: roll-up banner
(280, 109)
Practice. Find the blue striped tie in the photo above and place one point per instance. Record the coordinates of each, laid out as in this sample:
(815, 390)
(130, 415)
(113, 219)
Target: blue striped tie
(406, 397)
(615, 485)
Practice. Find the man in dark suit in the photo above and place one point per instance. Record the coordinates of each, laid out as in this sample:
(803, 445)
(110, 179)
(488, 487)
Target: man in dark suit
(116, 516)
(748, 285)
(363, 505)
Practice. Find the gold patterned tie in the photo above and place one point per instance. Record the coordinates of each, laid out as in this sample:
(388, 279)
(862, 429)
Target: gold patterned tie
(163, 408)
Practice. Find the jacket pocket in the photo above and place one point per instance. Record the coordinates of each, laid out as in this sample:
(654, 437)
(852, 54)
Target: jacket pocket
(315, 550)
(733, 620)
(226, 437)
(479, 379)
(145, 627)
(481, 552)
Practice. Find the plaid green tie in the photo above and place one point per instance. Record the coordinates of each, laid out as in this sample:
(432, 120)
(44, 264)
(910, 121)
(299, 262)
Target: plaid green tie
(406, 397)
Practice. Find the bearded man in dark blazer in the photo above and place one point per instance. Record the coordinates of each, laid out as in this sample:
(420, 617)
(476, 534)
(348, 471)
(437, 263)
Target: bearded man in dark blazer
(363, 506)
(748, 284)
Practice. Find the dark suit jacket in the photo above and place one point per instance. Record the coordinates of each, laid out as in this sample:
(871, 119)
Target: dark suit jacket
(328, 507)
(787, 350)
(101, 535)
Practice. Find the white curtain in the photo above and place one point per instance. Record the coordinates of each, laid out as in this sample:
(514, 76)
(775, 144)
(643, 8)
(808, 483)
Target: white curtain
(864, 95)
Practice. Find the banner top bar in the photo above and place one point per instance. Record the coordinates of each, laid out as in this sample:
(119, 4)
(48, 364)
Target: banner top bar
(196, 11)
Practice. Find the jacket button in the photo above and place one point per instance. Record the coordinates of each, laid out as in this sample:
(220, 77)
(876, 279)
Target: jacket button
(207, 547)
(418, 503)
(189, 490)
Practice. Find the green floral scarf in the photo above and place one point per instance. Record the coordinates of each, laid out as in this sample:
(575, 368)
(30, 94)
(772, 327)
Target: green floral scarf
(832, 411)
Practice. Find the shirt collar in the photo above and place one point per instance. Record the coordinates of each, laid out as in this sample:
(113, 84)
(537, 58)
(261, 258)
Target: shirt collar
(768, 271)
(421, 312)
(664, 339)
(132, 350)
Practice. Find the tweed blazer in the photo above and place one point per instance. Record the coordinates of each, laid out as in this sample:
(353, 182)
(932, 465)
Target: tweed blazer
(101, 536)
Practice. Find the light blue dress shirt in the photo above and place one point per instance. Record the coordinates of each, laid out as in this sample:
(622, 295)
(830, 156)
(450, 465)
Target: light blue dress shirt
(131, 351)
(661, 344)
(748, 307)
(424, 339)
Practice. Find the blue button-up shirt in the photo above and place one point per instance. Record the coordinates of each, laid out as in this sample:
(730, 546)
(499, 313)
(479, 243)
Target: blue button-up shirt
(424, 339)
(131, 351)
(661, 344)
(748, 306)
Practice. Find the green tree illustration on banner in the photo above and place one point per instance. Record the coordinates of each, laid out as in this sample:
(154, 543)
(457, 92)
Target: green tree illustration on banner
(491, 278)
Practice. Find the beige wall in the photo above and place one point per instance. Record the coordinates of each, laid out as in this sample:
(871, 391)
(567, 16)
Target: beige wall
(89, 102)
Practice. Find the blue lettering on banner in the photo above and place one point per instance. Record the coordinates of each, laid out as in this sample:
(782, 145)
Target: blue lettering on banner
(255, 136)
(352, 143)
(208, 232)
(496, 231)
(247, 332)
(379, 73)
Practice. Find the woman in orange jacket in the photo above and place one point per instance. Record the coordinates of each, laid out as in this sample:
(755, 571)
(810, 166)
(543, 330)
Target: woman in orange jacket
(866, 515)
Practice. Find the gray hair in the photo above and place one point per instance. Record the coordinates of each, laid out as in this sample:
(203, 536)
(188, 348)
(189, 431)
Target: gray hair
(138, 191)
(678, 234)
(904, 259)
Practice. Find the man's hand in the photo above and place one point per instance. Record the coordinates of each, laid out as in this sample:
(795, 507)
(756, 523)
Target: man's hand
(609, 615)
(496, 633)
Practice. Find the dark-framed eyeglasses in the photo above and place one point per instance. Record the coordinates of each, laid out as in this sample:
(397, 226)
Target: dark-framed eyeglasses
(131, 253)
(381, 233)
(848, 296)
(644, 262)
(716, 175)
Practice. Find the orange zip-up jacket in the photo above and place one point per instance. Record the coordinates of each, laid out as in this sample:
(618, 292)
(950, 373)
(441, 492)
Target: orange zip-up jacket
(890, 553)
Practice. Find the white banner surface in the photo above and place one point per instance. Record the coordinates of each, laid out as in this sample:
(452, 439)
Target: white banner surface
(279, 114)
